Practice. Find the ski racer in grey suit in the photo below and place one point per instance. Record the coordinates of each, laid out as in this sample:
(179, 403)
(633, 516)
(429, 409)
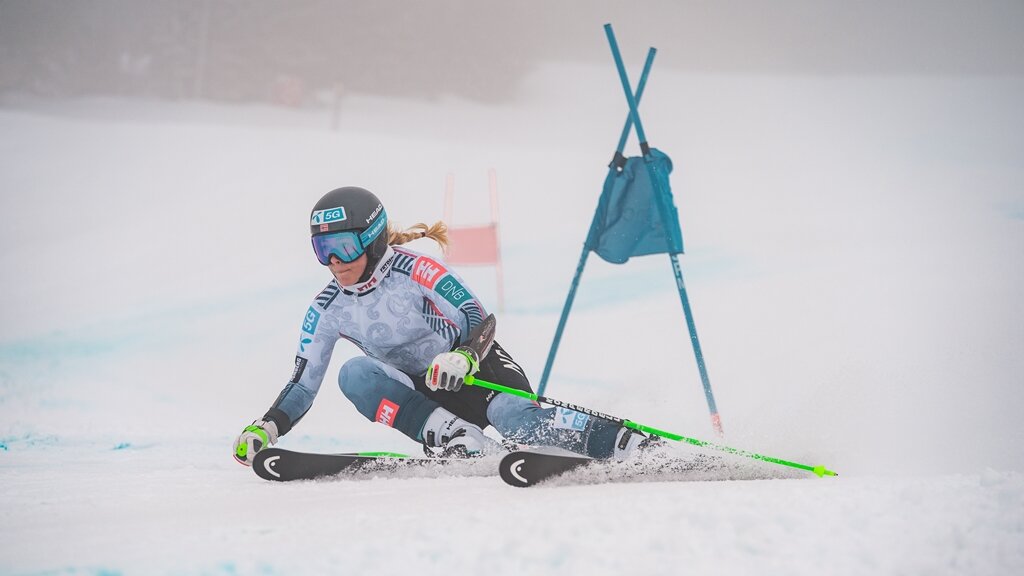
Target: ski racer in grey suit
(410, 313)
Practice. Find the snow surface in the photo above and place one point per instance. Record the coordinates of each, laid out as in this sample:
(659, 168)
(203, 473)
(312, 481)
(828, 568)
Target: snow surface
(854, 262)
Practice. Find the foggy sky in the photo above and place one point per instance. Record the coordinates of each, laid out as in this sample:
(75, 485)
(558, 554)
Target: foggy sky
(233, 50)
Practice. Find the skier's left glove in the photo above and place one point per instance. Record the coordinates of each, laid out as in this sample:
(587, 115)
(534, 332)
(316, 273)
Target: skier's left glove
(449, 369)
(257, 436)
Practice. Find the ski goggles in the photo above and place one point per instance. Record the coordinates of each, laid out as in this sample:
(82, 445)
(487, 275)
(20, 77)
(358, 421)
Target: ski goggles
(346, 245)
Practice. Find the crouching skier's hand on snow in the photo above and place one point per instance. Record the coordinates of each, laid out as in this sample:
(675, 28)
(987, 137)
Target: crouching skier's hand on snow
(449, 369)
(259, 435)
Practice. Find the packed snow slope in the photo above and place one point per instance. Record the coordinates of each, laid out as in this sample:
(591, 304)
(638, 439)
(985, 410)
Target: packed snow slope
(854, 262)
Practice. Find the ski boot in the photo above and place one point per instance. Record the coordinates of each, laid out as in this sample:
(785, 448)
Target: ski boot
(445, 435)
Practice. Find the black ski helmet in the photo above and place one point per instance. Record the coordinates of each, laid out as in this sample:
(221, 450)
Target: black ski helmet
(353, 209)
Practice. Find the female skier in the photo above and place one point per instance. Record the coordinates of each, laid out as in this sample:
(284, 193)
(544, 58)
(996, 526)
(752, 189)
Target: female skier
(410, 315)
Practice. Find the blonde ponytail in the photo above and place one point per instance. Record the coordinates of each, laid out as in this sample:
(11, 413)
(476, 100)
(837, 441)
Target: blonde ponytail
(438, 232)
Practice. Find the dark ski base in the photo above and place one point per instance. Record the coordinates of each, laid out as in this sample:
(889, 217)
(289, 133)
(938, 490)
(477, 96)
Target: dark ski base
(526, 468)
(280, 465)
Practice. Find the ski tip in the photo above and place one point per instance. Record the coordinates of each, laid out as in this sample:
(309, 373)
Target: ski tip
(526, 468)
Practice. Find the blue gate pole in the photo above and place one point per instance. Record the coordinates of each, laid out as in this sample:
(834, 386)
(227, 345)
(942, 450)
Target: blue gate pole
(565, 316)
(589, 244)
(651, 52)
(716, 420)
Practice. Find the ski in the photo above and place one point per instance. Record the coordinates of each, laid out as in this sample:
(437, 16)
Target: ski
(280, 465)
(526, 468)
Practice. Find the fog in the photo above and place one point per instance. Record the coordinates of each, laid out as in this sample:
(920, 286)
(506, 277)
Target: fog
(296, 53)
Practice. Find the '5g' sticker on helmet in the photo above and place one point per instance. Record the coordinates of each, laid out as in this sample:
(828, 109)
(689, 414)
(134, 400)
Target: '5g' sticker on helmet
(327, 216)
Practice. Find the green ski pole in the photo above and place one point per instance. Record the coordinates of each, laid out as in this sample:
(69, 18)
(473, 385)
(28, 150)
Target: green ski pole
(819, 470)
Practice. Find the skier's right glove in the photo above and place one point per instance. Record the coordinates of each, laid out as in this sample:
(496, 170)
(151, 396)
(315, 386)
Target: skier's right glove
(448, 370)
(259, 435)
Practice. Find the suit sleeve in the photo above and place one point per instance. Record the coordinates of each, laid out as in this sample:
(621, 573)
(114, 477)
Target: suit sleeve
(317, 338)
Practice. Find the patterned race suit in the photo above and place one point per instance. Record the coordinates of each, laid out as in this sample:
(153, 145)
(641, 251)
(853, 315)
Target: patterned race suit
(412, 308)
